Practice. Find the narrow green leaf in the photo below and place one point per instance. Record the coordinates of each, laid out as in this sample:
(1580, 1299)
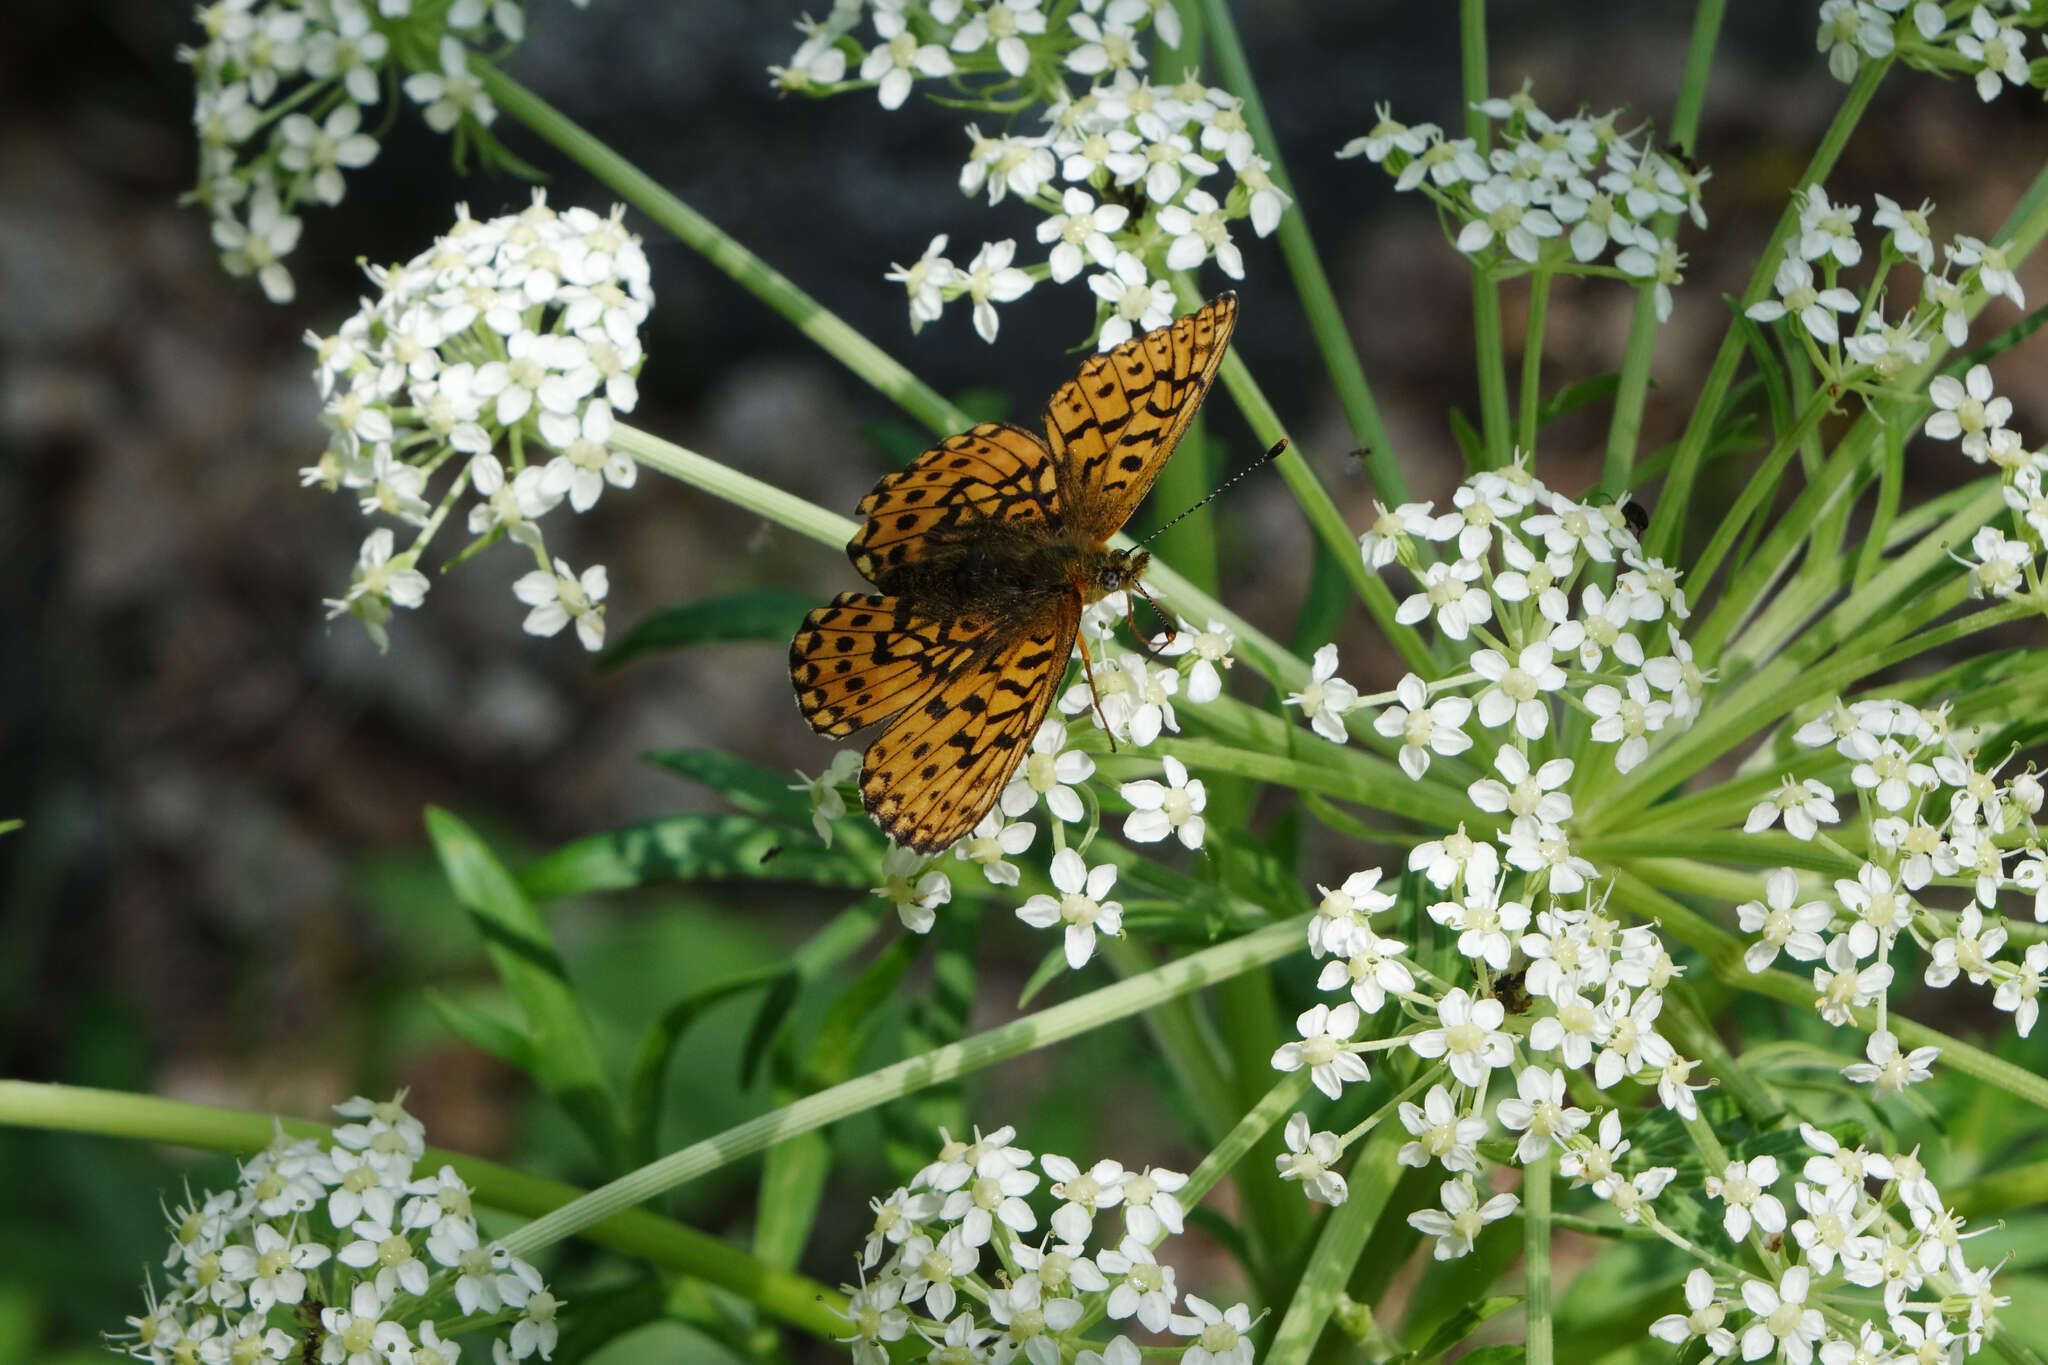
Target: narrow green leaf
(1462, 1324)
(1323, 608)
(1572, 397)
(843, 1035)
(564, 1052)
(1050, 968)
(754, 614)
(792, 1184)
(647, 1081)
(1470, 442)
(482, 1030)
(693, 847)
(751, 787)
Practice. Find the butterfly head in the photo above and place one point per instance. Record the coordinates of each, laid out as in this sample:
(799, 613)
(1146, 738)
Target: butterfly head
(1111, 571)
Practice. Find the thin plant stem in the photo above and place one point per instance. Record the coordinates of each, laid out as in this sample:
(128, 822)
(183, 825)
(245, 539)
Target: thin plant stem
(1311, 284)
(693, 229)
(1532, 359)
(1537, 1309)
(1487, 339)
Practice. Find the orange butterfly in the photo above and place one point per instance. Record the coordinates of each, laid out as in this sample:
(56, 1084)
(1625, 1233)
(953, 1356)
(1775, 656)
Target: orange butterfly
(986, 548)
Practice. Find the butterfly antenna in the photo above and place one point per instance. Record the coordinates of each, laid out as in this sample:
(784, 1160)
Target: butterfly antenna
(1220, 489)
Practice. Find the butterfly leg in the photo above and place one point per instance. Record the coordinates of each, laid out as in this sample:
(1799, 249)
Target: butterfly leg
(1144, 642)
(1094, 697)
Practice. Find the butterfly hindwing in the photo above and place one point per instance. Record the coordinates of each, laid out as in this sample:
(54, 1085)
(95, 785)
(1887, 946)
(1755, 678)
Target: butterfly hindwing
(995, 472)
(1113, 425)
(937, 769)
(866, 657)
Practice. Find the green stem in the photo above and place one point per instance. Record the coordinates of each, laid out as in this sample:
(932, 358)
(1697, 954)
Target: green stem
(1323, 517)
(1536, 1234)
(1668, 522)
(1305, 264)
(1175, 1029)
(1108, 1005)
(801, 1302)
(1372, 1180)
(1271, 1110)
(1699, 64)
(1630, 394)
(1487, 340)
(810, 317)
(1532, 360)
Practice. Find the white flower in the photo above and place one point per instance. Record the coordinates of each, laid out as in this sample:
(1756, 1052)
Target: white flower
(1212, 650)
(1222, 1336)
(1806, 805)
(1744, 1190)
(1001, 23)
(1911, 236)
(1050, 773)
(1469, 1034)
(1081, 233)
(914, 887)
(1782, 926)
(319, 151)
(1627, 719)
(828, 803)
(1441, 1133)
(1143, 1288)
(1308, 1159)
(1828, 229)
(1135, 299)
(1268, 201)
(1458, 1224)
(1519, 688)
(1888, 1070)
(1704, 1319)
(1326, 697)
(1999, 48)
(1851, 30)
(1325, 1048)
(818, 60)
(1508, 214)
(1540, 1112)
(1158, 810)
(1007, 165)
(451, 92)
(990, 279)
(361, 1322)
(1968, 410)
(992, 843)
(1525, 792)
(924, 280)
(1423, 726)
(1450, 590)
(1390, 531)
(1080, 906)
(2001, 565)
(1345, 914)
(1389, 135)
(1110, 47)
(1487, 927)
(1152, 1207)
(1994, 269)
(1198, 231)
(898, 59)
(258, 248)
(560, 597)
(586, 463)
(1815, 308)
(1783, 1323)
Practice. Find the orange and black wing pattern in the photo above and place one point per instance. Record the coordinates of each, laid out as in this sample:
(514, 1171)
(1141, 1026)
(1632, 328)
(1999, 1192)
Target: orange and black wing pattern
(995, 472)
(940, 765)
(1112, 427)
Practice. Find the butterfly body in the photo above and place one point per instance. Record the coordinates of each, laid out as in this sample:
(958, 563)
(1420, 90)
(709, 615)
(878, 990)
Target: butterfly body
(985, 549)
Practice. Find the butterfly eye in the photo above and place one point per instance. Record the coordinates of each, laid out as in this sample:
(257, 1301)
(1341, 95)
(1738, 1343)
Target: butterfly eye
(1112, 580)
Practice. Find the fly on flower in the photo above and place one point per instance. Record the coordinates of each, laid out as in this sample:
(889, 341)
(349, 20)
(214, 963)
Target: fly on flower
(986, 550)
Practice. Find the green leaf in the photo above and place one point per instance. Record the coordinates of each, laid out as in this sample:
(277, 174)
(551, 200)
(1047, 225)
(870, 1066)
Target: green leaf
(516, 939)
(792, 1183)
(693, 847)
(649, 1076)
(751, 787)
(1572, 397)
(603, 1315)
(844, 1033)
(1322, 609)
(482, 1030)
(755, 614)
(1050, 968)
(1469, 440)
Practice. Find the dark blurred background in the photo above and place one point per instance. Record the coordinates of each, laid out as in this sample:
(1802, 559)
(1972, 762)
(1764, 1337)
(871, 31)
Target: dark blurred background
(223, 892)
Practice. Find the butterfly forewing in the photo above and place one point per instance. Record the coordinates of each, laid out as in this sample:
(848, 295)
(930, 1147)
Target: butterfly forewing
(995, 472)
(938, 768)
(1112, 427)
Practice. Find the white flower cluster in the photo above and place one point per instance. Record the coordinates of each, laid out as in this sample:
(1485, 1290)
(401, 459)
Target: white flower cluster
(328, 1254)
(518, 335)
(1118, 172)
(282, 86)
(952, 1258)
(1132, 700)
(1865, 1222)
(1876, 347)
(1988, 44)
(1933, 813)
(1520, 904)
(1556, 194)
